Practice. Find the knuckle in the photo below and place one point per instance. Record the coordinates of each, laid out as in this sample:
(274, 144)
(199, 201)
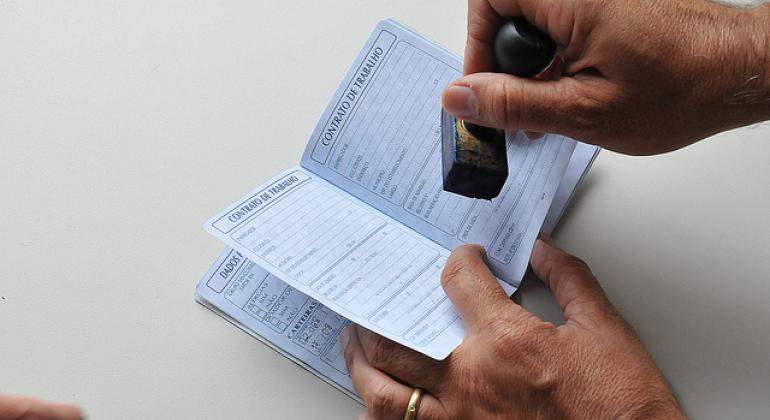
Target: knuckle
(462, 263)
(382, 400)
(571, 266)
(505, 338)
(504, 347)
(543, 381)
(453, 272)
(509, 110)
(531, 343)
(527, 336)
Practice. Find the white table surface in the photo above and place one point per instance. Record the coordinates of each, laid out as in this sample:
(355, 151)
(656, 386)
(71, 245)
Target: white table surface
(124, 125)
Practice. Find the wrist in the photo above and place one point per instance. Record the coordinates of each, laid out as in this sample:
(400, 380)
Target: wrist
(762, 18)
(748, 92)
(641, 393)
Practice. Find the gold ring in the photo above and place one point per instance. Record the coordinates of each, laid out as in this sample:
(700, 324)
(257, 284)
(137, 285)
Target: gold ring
(414, 404)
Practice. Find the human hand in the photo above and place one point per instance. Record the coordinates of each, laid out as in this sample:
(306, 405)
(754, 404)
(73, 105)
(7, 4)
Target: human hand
(17, 407)
(640, 77)
(511, 364)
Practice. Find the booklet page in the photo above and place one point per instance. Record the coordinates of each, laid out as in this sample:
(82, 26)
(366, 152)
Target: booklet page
(301, 328)
(581, 161)
(289, 321)
(379, 140)
(352, 258)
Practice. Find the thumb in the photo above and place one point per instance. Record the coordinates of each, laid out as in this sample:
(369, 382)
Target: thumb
(473, 289)
(574, 286)
(503, 101)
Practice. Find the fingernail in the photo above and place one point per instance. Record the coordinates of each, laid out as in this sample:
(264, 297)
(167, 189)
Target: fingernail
(461, 102)
(345, 336)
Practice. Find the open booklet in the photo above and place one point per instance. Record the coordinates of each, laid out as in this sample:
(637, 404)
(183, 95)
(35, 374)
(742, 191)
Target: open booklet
(360, 231)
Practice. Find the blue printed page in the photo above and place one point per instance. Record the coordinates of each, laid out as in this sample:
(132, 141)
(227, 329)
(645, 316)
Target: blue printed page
(357, 261)
(378, 140)
(363, 228)
(300, 327)
(295, 325)
(581, 161)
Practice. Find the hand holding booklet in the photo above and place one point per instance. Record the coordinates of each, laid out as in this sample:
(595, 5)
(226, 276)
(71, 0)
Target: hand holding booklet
(361, 230)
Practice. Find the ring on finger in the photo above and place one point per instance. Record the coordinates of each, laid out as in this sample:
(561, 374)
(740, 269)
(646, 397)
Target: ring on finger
(414, 404)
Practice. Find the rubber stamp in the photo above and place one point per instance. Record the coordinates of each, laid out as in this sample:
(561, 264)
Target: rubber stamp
(474, 158)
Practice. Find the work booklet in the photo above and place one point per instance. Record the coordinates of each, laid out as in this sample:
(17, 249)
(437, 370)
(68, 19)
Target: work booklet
(362, 229)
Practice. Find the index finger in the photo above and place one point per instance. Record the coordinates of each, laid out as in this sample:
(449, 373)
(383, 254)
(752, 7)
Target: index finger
(486, 16)
(483, 22)
(574, 286)
(473, 289)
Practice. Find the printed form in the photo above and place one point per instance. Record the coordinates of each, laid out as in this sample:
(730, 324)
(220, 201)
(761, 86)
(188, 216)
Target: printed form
(357, 261)
(364, 227)
(277, 314)
(301, 328)
(379, 140)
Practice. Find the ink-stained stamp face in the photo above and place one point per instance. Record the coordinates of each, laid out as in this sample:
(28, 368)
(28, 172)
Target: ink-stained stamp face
(474, 158)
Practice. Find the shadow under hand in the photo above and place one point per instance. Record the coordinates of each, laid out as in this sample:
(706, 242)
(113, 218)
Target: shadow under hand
(533, 294)
(537, 298)
(583, 189)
